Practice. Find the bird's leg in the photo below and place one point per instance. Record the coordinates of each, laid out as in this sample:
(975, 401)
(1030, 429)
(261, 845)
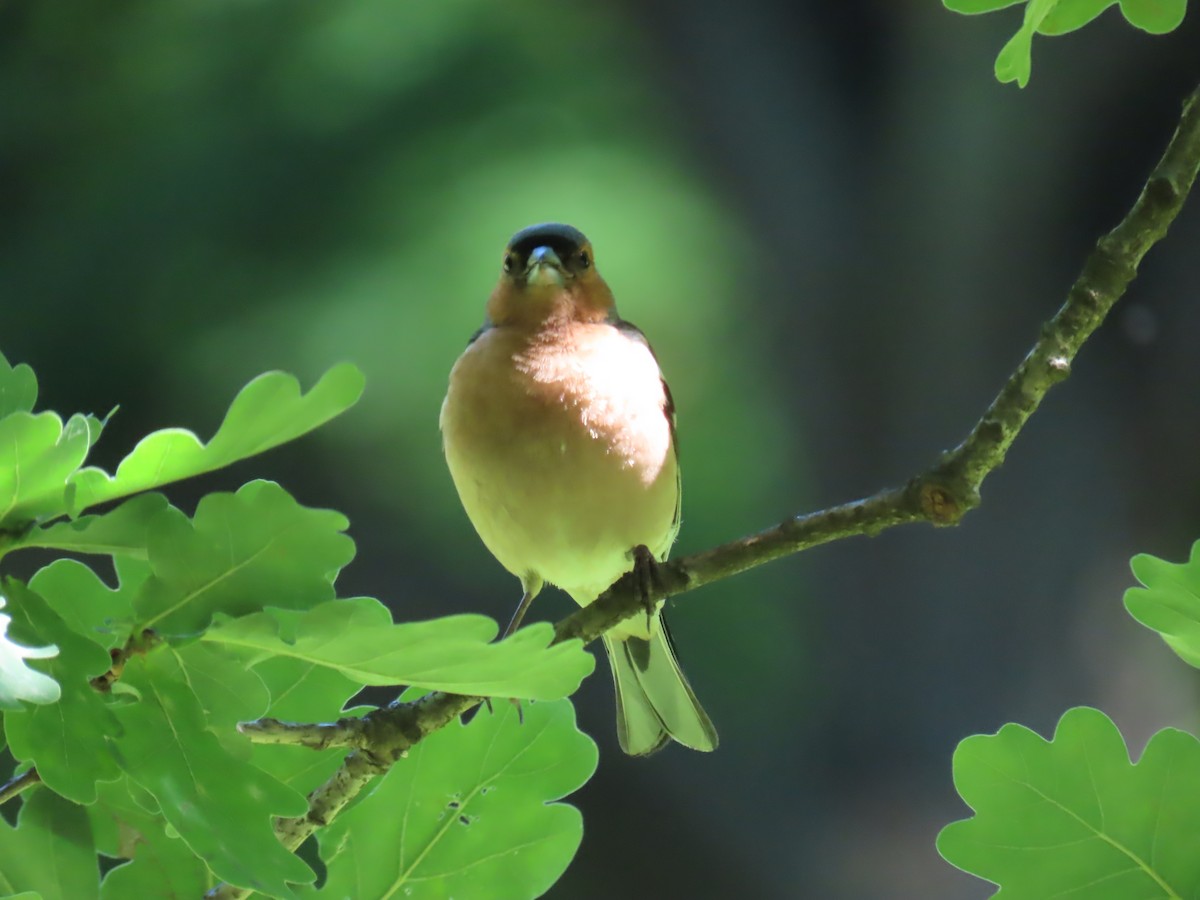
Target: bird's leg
(523, 607)
(513, 624)
(645, 573)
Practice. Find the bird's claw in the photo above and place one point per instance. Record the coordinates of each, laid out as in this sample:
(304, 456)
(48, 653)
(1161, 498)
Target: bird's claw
(647, 582)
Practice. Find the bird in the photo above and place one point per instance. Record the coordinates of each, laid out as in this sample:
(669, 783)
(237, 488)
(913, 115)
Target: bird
(558, 429)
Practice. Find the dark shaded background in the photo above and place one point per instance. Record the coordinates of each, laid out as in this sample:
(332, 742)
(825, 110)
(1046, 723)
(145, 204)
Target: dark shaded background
(841, 234)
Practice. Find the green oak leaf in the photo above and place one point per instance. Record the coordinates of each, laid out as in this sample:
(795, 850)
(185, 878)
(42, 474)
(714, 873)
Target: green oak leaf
(38, 454)
(469, 813)
(159, 865)
(50, 852)
(975, 7)
(122, 531)
(1071, 15)
(1154, 16)
(1074, 817)
(359, 639)
(220, 805)
(228, 691)
(89, 606)
(1056, 17)
(18, 388)
(1014, 61)
(17, 681)
(241, 552)
(53, 736)
(1170, 601)
(267, 412)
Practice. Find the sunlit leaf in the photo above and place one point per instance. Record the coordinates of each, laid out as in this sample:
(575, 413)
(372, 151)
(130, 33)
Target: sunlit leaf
(974, 7)
(1071, 15)
(1170, 601)
(53, 736)
(228, 691)
(1154, 16)
(17, 681)
(122, 531)
(1056, 17)
(1074, 817)
(358, 638)
(37, 456)
(86, 603)
(269, 411)
(469, 813)
(241, 552)
(18, 388)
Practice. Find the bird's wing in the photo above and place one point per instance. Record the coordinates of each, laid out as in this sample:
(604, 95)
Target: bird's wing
(487, 323)
(633, 333)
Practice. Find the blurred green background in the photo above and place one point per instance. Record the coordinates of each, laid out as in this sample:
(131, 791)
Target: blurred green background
(839, 232)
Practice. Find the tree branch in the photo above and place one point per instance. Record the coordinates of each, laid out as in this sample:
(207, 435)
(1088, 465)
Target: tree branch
(18, 783)
(315, 736)
(941, 495)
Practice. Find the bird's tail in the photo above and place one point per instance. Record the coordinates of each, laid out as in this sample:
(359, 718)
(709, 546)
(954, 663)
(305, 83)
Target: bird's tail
(655, 703)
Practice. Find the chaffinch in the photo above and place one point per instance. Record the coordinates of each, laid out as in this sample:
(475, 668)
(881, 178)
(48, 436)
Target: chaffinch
(559, 432)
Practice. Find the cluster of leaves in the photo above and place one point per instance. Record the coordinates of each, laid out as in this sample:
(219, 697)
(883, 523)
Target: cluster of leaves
(1055, 17)
(1073, 815)
(125, 697)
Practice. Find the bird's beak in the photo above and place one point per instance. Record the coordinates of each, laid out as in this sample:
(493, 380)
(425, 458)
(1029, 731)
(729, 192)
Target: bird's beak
(544, 268)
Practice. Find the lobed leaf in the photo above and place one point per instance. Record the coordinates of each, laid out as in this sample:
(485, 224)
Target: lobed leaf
(470, 813)
(1154, 16)
(240, 552)
(1170, 601)
(359, 639)
(123, 531)
(220, 805)
(69, 741)
(267, 412)
(1056, 17)
(1073, 15)
(50, 853)
(89, 606)
(975, 7)
(18, 388)
(228, 691)
(158, 864)
(1073, 816)
(17, 681)
(37, 457)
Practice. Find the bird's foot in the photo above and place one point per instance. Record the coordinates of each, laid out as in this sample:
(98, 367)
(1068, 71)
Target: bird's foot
(487, 702)
(645, 574)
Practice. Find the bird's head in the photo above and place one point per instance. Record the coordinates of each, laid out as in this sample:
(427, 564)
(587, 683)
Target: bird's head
(548, 272)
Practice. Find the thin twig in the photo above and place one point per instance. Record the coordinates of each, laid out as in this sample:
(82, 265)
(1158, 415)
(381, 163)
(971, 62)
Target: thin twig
(316, 736)
(941, 495)
(18, 783)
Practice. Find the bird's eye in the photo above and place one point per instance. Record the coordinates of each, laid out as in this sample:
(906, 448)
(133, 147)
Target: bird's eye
(508, 263)
(585, 259)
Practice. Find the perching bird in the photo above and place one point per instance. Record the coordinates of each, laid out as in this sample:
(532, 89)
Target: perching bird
(559, 432)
